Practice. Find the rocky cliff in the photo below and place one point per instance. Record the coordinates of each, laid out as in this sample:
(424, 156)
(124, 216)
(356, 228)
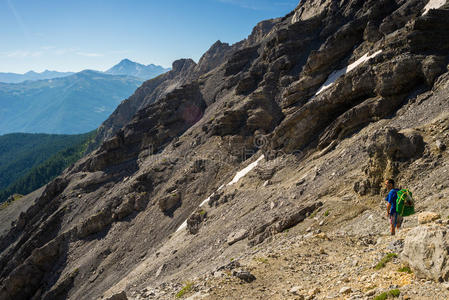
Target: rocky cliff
(260, 165)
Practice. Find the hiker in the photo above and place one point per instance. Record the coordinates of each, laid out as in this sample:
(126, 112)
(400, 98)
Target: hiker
(395, 218)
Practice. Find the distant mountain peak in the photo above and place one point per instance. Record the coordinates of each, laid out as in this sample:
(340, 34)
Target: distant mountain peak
(131, 68)
(126, 60)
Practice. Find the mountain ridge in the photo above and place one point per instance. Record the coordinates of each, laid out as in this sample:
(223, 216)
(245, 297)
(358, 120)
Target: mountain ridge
(209, 167)
(31, 75)
(68, 105)
(124, 67)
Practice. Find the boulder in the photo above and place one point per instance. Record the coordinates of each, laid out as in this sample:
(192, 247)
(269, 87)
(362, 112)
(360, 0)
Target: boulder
(440, 145)
(236, 236)
(345, 290)
(195, 220)
(244, 275)
(427, 217)
(95, 223)
(426, 252)
(170, 202)
(119, 296)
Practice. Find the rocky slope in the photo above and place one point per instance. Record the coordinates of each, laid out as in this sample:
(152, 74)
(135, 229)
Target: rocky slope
(256, 173)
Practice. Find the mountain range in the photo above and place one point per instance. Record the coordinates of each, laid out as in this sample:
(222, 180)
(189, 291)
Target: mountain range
(259, 172)
(124, 67)
(67, 103)
(72, 104)
(31, 75)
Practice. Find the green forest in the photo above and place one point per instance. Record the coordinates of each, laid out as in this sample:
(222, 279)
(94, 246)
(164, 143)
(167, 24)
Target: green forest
(28, 161)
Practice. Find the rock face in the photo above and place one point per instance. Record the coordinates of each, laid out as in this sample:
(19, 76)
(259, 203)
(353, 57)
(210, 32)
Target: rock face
(426, 251)
(388, 150)
(195, 220)
(311, 107)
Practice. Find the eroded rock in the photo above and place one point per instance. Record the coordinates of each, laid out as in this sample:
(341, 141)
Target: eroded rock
(426, 251)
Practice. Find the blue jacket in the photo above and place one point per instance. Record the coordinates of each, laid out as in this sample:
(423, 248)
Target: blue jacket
(391, 198)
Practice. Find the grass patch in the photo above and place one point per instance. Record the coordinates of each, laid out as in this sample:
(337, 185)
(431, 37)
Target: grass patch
(382, 296)
(314, 214)
(202, 212)
(185, 289)
(261, 260)
(386, 259)
(326, 213)
(405, 270)
(390, 294)
(394, 293)
(4, 205)
(8, 202)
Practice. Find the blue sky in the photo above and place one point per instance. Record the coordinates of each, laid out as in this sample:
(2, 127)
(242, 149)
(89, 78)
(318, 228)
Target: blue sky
(96, 34)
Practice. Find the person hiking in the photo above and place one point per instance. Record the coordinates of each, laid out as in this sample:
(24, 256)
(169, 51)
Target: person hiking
(392, 214)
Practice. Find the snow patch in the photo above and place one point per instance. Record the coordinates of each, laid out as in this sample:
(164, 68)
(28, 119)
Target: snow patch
(245, 171)
(207, 199)
(183, 225)
(433, 4)
(236, 178)
(337, 74)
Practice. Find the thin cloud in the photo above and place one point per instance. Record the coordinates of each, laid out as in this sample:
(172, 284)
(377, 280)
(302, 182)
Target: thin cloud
(18, 19)
(22, 54)
(63, 51)
(46, 48)
(119, 51)
(88, 54)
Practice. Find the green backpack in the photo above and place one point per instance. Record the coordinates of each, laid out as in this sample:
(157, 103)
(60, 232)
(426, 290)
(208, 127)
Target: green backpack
(405, 205)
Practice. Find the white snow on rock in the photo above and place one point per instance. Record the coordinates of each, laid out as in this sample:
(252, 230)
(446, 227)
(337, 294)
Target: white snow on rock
(245, 171)
(183, 225)
(240, 174)
(433, 4)
(207, 199)
(337, 74)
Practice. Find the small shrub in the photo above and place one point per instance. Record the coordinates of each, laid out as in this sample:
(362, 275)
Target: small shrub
(382, 296)
(326, 213)
(6, 203)
(390, 294)
(383, 262)
(202, 212)
(394, 293)
(405, 270)
(185, 289)
(314, 214)
(17, 197)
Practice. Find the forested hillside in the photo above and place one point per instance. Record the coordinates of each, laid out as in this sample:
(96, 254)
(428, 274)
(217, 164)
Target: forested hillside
(28, 161)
